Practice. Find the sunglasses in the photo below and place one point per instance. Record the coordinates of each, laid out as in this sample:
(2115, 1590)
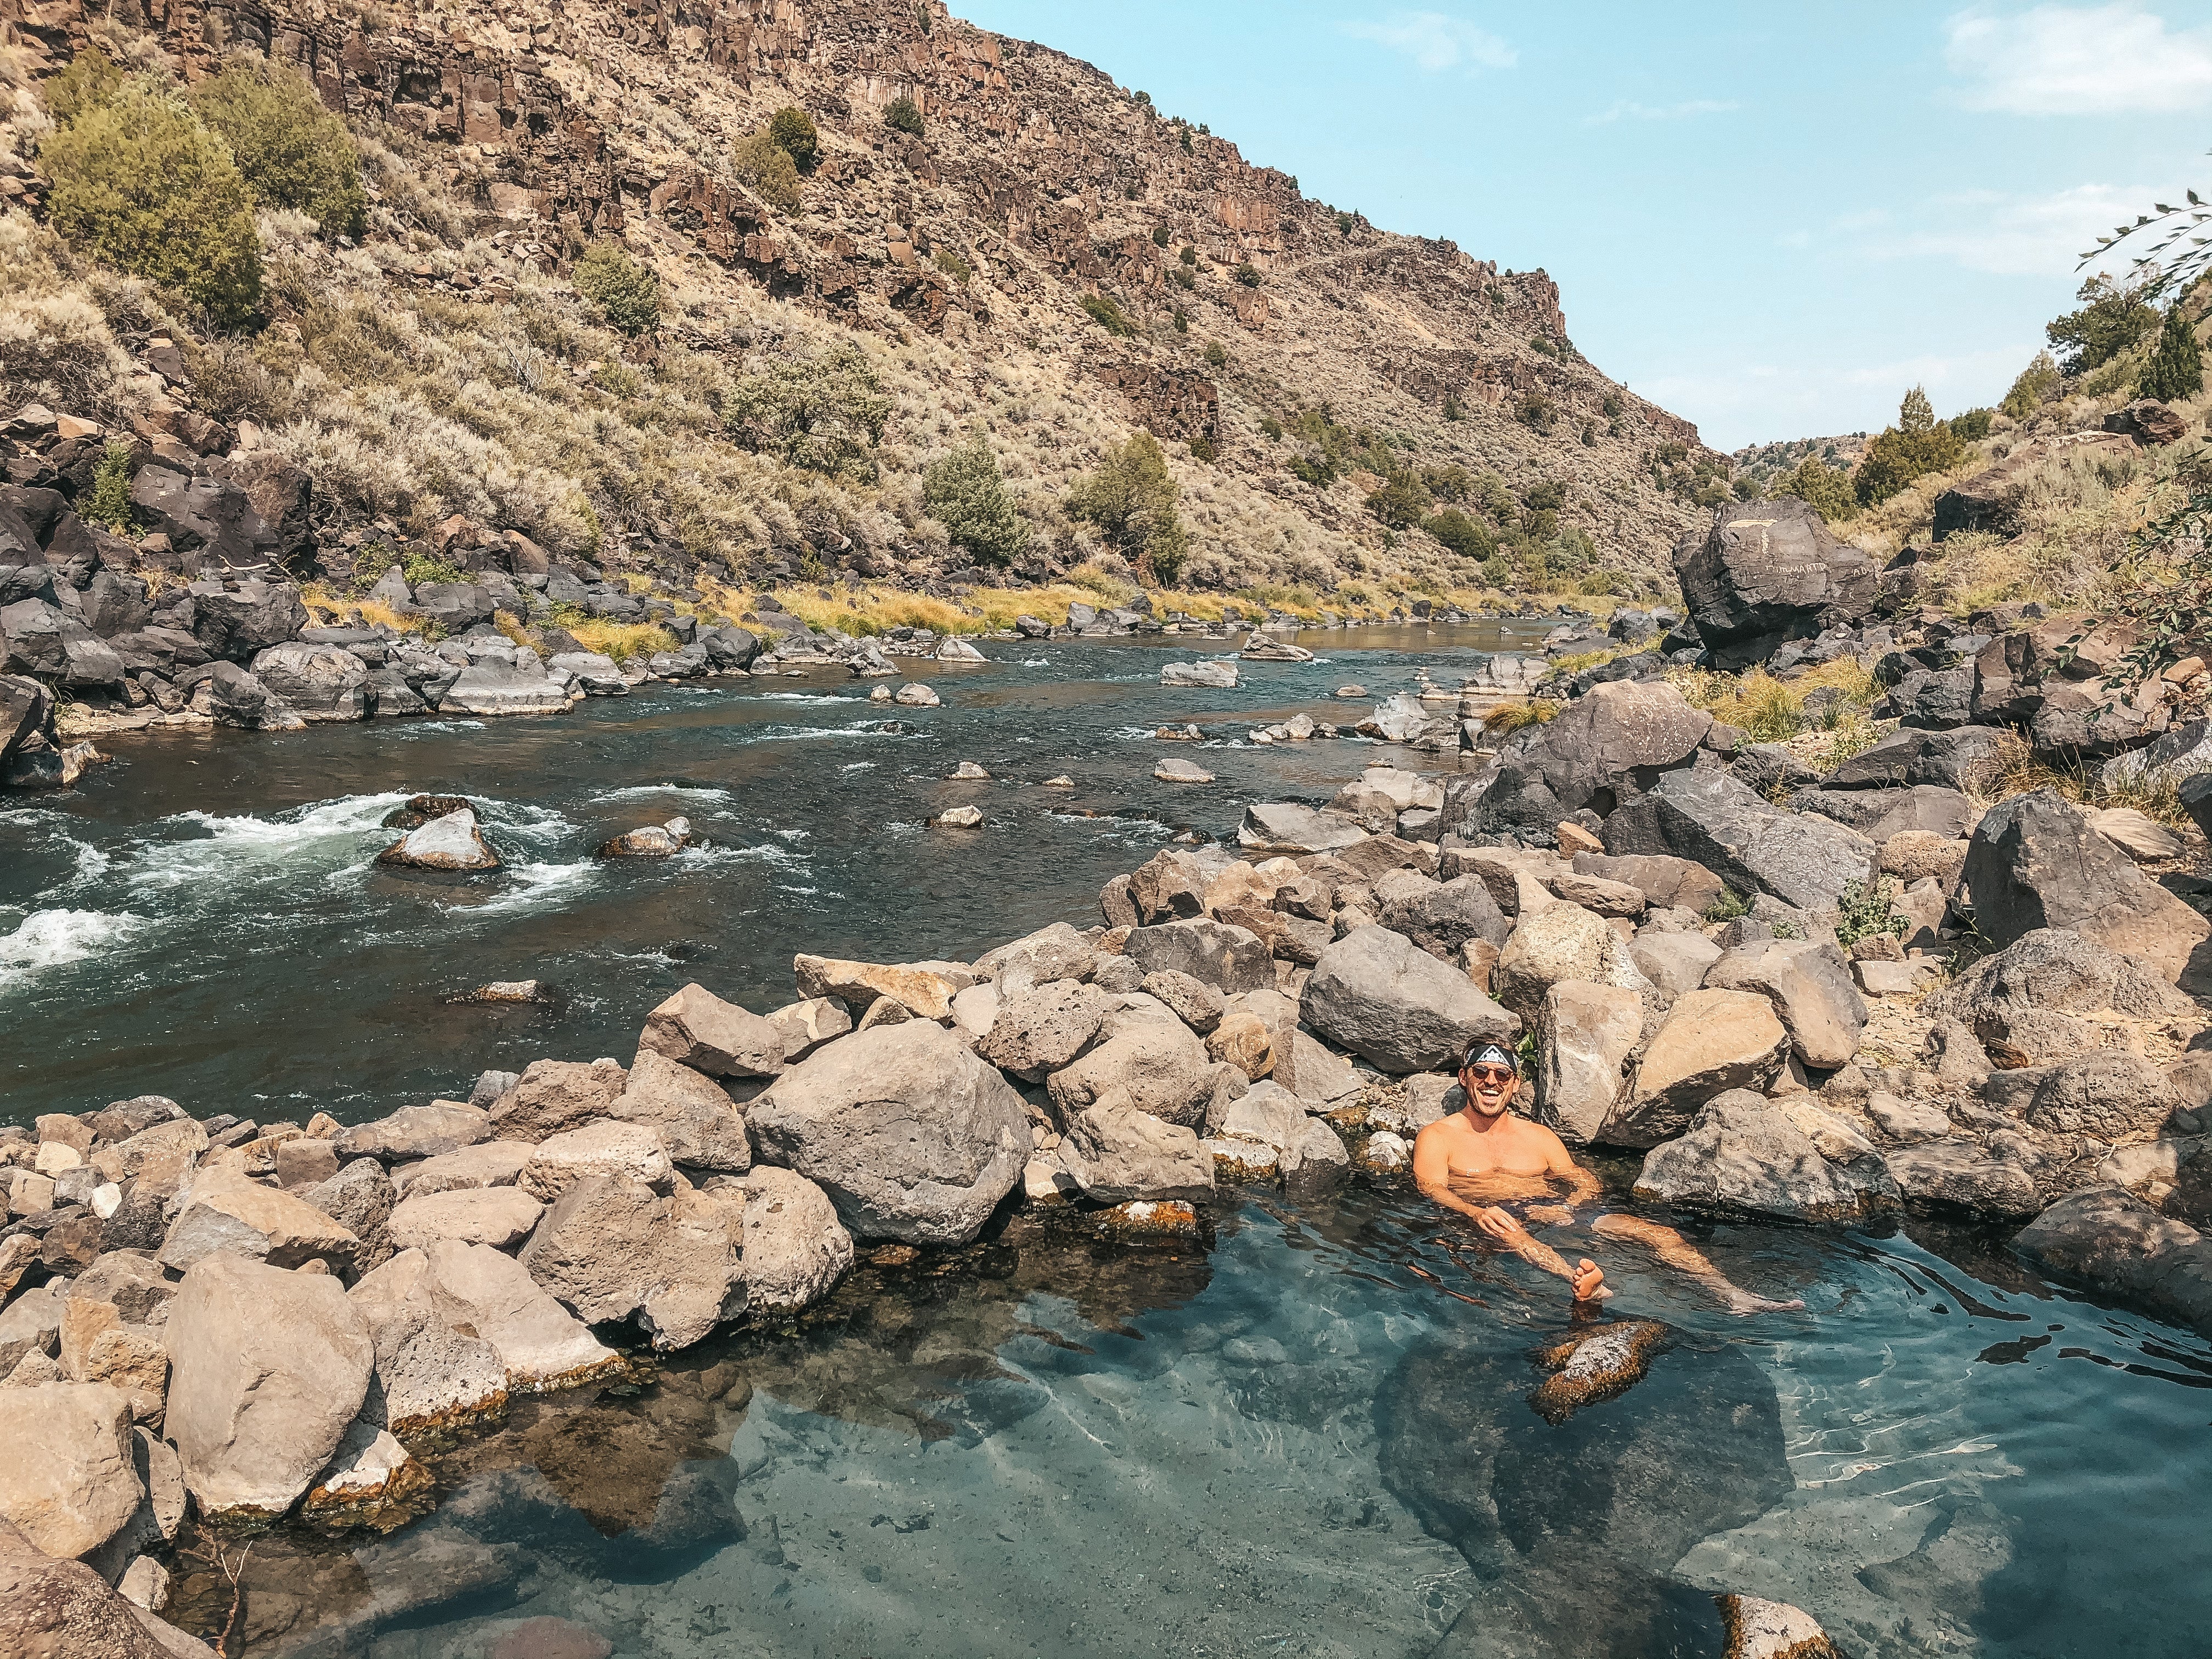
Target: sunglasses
(1491, 1073)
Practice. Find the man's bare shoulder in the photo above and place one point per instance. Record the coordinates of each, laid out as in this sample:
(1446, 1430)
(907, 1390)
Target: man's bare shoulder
(1447, 1127)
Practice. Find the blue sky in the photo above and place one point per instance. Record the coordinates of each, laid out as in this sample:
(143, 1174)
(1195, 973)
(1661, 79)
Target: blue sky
(1771, 219)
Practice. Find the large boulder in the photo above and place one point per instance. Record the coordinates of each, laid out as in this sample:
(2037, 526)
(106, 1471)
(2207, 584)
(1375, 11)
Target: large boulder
(1382, 997)
(224, 1212)
(502, 1217)
(1145, 1058)
(1963, 1175)
(1216, 953)
(2039, 1001)
(2112, 1242)
(39, 638)
(1744, 1154)
(611, 1247)
(1117, 1154)
(1962, 759)
(1800, 858)
(697, 1029)
(317, 683)
(1442, 917)
(458, 1326)
(1769, 571)
(494, 687)
(2034, 862)
(1034, 1034)
(1586, 1034)
(208, 517)
(66, 1475)
(412, 1132)
(1711, 1043)
(1559, 942)
(1878, 813)
(53, 1608)
(795, 1248)
(632, 1151)
(1809, 984)
(1607, 746)
(1273, 829)
(1665, 881)
(450, 842)
(918, 987)
(267, 1367)
(694, 1115)
(241, 621)
(913, 1137)
(1052, 953)
(555, 1095)
(2114, 1097)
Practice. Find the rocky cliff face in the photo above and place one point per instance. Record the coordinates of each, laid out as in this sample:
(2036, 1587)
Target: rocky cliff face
(1037, 182)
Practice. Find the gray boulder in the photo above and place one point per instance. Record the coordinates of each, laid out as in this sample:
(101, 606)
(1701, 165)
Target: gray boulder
(502, 1217)
(1056, 952)
(1556, 943)
(1665, 881)
(1036, 1033)
(1803, 859)
(697, 1029)
(1143, 1058)
(1380, 995)
(493, 687)
(1878, 814)
(1964, 1175)
(1711, 1041)
(1607, 746)
(2112, 1095)
(2034, 862)
(412, 1132)
(1744, 1154)
(1228, 958)
(1769, 571)
(267, 1367)
(912, 1136)
(450, 842)
(1274, 828)
(795, 1248)
(2112, 1242)
(694, 1117)
(456, 607)
(1586, 1036)
(359, 1198)
(611, 1247)
(1117, 1154)
(1961, 759)
(2036, 1002)
(209, 516)
(1440, 917)
(238, 622)
(556, 1095)
(317, 683)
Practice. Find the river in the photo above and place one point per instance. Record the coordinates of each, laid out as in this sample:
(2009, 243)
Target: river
(1296, 1444)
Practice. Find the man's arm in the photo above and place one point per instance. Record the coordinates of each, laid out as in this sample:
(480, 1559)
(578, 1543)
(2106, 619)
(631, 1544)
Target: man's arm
(1432, 1174)
(1559, 1165)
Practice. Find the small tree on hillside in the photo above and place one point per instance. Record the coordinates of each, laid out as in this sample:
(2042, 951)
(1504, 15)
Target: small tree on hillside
(294, 153)
(2177, 367)
(140, 185)
(90, 81)
(2113, 319)
(2037, 385)
(825, 413)
(965, 492)
(766, 165)
(1914, 447)
(904, 115)
(794, 130)
(1823, 488)
(1131, 498)
(627, 293)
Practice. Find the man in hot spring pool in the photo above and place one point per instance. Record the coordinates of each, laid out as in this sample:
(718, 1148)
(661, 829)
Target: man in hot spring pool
(1481, 1158)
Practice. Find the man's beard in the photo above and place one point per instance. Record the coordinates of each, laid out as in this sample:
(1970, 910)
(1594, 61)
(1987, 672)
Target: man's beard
(1486, 1108)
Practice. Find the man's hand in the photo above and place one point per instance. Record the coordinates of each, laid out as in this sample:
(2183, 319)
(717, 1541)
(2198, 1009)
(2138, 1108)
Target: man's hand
(1589, 1281)
(1501, 1224)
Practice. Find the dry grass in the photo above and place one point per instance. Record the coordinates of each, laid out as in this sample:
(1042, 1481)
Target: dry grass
(1506, 719)
(329, 608)
(1768, 710)
(2018, 772)
(621, 641)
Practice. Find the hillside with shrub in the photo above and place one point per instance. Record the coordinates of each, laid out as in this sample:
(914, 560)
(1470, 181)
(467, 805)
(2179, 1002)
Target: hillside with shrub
(848, 293)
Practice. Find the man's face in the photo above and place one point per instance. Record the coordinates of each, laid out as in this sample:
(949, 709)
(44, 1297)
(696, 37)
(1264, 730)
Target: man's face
(1489, 1087)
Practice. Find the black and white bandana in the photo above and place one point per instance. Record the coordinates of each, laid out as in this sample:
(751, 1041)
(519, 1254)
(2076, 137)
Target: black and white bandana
(1489, 1053)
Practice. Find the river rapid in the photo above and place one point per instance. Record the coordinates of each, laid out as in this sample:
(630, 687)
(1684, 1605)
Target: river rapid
(1313, 1440)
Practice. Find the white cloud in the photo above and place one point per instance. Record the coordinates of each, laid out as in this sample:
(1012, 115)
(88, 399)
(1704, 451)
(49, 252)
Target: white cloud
(1626, 110)
(1436, 42)
(1736, 404)
(2006, 235)
(2079, 60)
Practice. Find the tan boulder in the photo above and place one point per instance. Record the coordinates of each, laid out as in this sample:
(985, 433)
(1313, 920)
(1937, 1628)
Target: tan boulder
(697, 1029)
(224, 1209)
(1711, 1042)
(67, 1477)
(859, 984)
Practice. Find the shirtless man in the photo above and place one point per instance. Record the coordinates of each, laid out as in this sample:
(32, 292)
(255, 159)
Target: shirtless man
(1482, 1154)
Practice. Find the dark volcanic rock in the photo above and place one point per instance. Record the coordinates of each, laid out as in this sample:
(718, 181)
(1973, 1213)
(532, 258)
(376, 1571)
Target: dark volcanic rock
(1766, 572)
(1571, 1528)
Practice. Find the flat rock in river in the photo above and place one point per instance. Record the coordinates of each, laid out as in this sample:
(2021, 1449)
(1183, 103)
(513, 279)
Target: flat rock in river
(451, 842)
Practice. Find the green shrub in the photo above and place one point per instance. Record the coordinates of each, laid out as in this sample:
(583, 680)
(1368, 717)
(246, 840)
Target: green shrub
(139, 184)
(1613, 405)
(1215, 356)
(1452, 410)
(1467, 537)
(964, 492)
(1130, 498)
(903, 114)
(1727, 908)
(1345, 222)
(1182, 276)
(1270, 426)
(626, 291)
(1159, 236)
(1203, 449)
(420, 567)
(2113, 319)
(89, 82)
(759, 162)
(1825, 489)
(1188, 256)
(1534, 411)
(1911, 449)
(1866, 909)
(107, 503)
(1108, 315)
(792, 132)
(295, 153)
(1400, 501)
(1248, 274)
(824, 413)
(2177, 367)
(2037, 385)
(952, 265)
(1181, 320)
